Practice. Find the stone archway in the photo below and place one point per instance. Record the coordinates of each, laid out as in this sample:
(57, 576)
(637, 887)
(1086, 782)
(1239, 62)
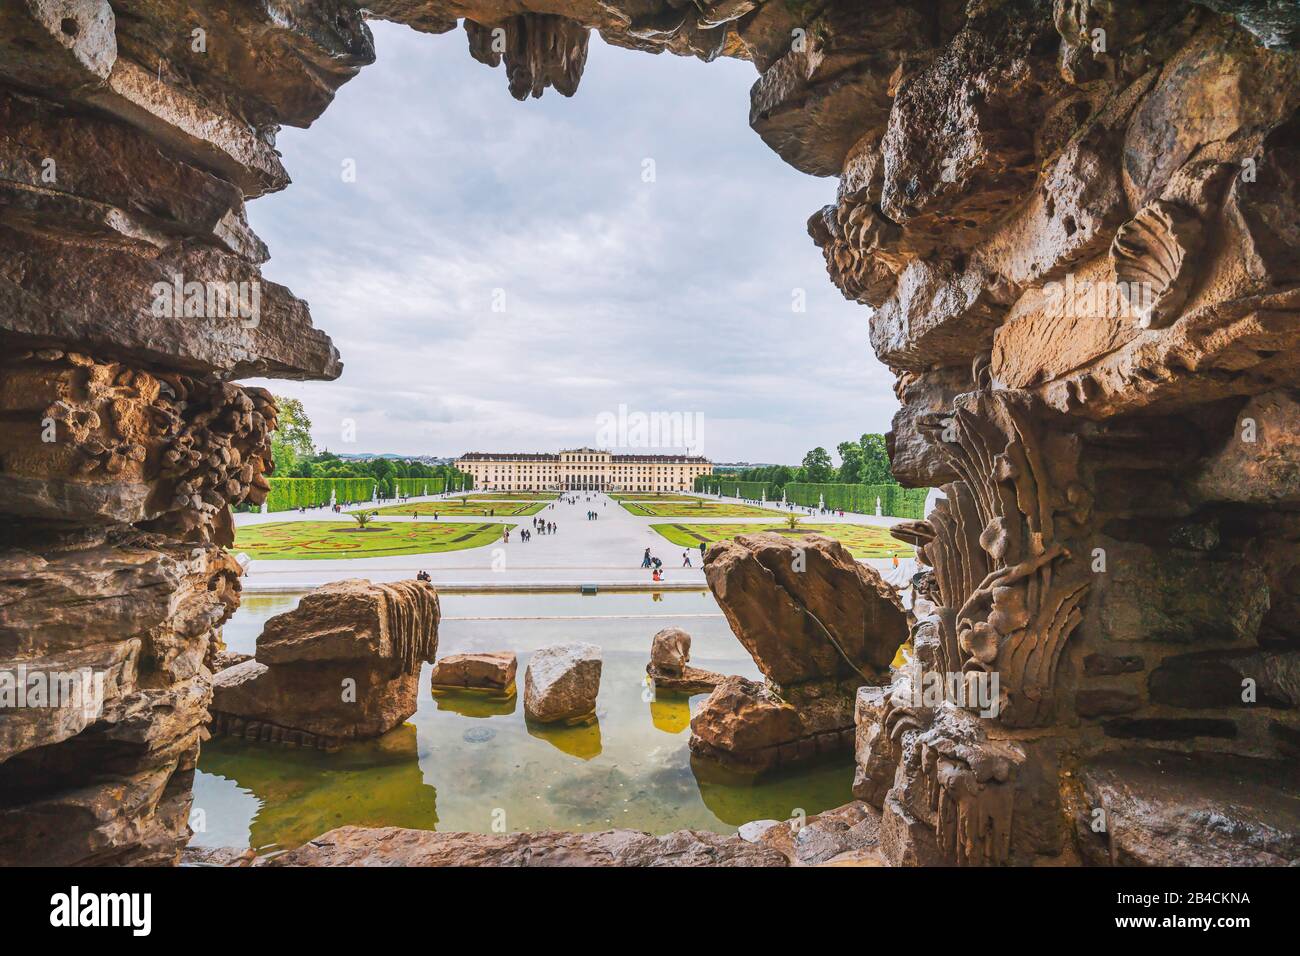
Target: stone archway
(1085, 273)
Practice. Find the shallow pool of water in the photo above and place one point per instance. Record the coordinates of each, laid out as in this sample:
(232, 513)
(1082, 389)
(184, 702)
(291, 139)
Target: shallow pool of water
(463, 762)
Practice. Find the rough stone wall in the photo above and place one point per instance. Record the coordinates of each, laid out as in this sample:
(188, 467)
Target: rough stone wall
(131, 135)
(1075, 225)
(130, 296)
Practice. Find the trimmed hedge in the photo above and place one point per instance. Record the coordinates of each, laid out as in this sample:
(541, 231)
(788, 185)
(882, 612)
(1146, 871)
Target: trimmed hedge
(895, 500)
(748, 489)
(288, 494)
(418, 487)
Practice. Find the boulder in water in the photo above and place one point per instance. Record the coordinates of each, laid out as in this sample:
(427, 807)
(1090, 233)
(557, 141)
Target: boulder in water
(344, 664)
(561, 682)
(493, 671)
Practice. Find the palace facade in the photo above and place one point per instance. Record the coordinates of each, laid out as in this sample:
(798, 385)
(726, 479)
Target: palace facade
(583, 469)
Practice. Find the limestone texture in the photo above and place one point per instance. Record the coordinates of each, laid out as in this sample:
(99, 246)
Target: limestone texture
(344, 664)
(818, 624)
(394, 846)
(561, 682)
(486, 671)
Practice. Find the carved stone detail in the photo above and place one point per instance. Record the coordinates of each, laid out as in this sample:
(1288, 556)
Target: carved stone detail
(1009, 583)
(1150, 254)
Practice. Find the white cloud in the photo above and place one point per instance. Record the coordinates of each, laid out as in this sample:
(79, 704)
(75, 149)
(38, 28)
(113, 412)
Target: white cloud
(672, 295)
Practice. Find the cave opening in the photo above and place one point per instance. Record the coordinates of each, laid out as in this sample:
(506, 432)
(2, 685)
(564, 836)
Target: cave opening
(1076, 258)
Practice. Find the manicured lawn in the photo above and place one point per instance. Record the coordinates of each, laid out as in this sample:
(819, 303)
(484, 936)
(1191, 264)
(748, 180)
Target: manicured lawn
(305, 540)
(500, 509)
(863, 541)
(696, 508)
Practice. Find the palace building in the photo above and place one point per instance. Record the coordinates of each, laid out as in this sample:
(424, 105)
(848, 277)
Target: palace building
(583, 469)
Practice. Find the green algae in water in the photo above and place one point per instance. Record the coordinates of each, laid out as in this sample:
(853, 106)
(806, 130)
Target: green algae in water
(629, 768)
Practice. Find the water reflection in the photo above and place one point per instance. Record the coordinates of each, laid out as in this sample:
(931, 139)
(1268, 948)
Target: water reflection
(465, 756)
(735, 799)
(475, 704)
(581, 741)
(303, 792)
(672, 715)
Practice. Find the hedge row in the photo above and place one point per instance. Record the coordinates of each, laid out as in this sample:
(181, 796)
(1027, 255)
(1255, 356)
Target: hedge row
(895, 500)
(418, 487)
(728, 487)
(288, 494)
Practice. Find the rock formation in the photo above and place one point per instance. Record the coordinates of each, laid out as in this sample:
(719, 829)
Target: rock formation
(491, 671)
(395, 846)
(561, 683)
(818, 624)
(1074, 224)
(845, 836)
(1061, 225)
(344, 664)
(670, 652)
(670, 649)
(122, 618)
(539, 51)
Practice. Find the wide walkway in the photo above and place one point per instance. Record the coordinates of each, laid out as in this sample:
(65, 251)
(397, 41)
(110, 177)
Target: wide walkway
(606, 552)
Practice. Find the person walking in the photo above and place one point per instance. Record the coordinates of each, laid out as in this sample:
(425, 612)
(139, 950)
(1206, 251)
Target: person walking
(645, 559)
(686, 559)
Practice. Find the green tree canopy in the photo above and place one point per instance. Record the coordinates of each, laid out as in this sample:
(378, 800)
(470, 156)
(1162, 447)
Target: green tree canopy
(875, 461)
(291, 440)
(850, 462)
(817, 466)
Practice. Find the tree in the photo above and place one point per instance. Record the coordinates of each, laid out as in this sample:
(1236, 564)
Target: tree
(362, 518)
(850, 462)
(817, 466)
(875, 461)
(291, 440)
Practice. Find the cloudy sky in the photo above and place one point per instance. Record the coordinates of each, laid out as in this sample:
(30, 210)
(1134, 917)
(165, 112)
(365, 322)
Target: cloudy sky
(672, 295)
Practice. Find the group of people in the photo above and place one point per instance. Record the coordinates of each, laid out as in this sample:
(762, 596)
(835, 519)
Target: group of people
(592, 515)
(423, 576)
(656, 566)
